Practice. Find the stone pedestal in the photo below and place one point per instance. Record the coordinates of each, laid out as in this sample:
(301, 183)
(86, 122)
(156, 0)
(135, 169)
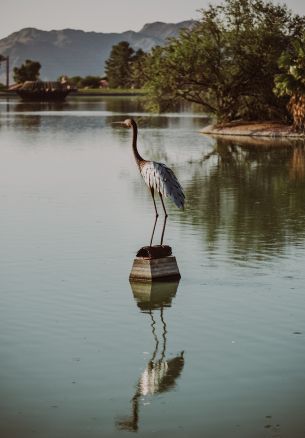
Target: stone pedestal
(149, 269)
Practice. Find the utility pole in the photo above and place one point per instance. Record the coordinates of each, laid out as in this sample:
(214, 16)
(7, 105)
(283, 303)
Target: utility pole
(7, 72)
(7, 60)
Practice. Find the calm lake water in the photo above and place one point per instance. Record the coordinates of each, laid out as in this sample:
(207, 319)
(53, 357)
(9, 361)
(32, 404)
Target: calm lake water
(86, 354)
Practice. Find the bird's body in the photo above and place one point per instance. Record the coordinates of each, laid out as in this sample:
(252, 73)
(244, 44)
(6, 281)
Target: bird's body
(160, 178)
(157, 176)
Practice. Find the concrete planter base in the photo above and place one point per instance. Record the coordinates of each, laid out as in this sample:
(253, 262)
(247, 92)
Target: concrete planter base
(146, 269)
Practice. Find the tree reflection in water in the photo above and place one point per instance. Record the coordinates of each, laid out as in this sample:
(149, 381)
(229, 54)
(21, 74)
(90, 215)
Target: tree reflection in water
(160, 374)
(251, 191)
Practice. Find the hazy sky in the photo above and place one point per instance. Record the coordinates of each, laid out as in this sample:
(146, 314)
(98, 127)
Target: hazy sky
(101, 15)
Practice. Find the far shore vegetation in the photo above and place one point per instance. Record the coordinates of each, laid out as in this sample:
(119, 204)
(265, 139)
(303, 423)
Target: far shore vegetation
(241, 61)
(111, 91)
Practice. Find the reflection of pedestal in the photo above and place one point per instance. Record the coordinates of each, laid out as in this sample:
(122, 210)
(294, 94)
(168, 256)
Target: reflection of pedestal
(148, 269)
(154, 295)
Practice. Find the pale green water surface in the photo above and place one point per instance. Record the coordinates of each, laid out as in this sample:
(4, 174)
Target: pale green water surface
(84, 354)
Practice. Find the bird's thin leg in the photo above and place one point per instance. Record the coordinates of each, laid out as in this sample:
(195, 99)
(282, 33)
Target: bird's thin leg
(153, 196)
(165, 212)
(153, 232)
(163, 230)
(165, 219)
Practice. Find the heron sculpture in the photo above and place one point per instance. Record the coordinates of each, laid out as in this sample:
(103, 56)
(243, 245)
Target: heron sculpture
(157, 176)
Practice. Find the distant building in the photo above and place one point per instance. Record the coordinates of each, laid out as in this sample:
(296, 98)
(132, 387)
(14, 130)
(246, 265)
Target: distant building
(104, 83)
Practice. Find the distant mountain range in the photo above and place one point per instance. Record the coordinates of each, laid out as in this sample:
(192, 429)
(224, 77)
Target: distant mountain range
(75, 52)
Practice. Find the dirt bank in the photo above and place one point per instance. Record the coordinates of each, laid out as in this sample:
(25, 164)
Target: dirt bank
(253, 129)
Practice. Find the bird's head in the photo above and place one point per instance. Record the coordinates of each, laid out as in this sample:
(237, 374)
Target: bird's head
(126, 123)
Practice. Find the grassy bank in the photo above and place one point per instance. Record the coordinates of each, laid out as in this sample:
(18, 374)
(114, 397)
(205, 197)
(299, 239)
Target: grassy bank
(108, 92)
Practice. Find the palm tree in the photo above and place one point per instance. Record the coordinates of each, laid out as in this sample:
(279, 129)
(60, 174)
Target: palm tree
(291, 82)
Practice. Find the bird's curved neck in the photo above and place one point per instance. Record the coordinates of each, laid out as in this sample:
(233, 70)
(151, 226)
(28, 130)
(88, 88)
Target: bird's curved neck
(134, 142)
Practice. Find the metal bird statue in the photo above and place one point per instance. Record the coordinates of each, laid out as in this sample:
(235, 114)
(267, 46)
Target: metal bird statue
(157, 176)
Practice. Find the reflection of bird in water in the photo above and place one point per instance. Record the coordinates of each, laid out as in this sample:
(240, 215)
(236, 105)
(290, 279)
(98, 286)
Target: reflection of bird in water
(160, 374)
(158, 377)
(157, 176)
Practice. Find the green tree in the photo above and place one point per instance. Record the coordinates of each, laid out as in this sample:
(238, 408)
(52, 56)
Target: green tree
(29, 71)
(75, 81)
(91, 81)
(227, 61)
(138, 76)
(291, 81)
(118, 65)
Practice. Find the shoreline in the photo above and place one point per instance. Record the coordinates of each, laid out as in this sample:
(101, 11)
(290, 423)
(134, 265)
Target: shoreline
(13, 94)
(270, 130)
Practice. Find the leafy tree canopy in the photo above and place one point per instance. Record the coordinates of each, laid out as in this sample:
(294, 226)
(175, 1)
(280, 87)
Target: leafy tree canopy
(91, 81)
(137, 73)
(29, 71)
(291, 79)
(125, 67)
(227, 61)
(118, 65)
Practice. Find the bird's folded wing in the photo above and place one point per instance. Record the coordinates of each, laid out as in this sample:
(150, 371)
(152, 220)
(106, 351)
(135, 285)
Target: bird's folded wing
(162, 179)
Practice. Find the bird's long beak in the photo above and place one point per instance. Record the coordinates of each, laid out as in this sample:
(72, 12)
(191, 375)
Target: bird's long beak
(123, 124)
